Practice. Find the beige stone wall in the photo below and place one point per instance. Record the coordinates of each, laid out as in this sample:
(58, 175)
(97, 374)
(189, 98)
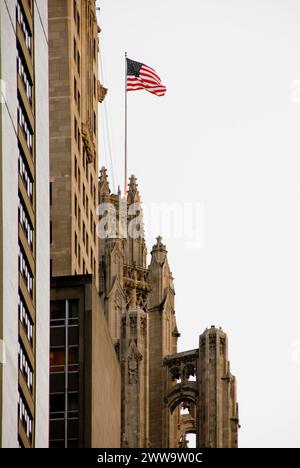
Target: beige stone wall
(106, 383)
(73, 67)
(60, 136)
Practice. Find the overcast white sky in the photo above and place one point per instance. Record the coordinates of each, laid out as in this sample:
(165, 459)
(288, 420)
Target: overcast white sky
(226, 135)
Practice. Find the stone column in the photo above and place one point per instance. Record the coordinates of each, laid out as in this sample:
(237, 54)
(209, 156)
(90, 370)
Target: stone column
(217, 419)
(134, 368)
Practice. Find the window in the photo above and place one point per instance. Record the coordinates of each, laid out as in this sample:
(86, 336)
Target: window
(83, 196)
(64, 358)
(91, 258)
(24, 415)
(57, 403)
(75, 205)
(95, 121)
(83, 232)
(25, 367)
(24, 73)
(78, 24)
(50, 232)
(94, 49)
(78, 63)
(25, 271)
(25, 318)
(57, 360)
(25, 125)
(75, 168)
(78, 102)
(75, 128)
(73, 401)
(21, 18)
(75, 246)
(74, 10)
(58, 311)
(75, 51)
(25, 175)
(50, 193)
(79, 180)
(91, 185)
(79, 218)
(79, 255)
(87, 243)
(94, 86)
(87, 206)
(75, 90)
(79, 141)
(25, 222)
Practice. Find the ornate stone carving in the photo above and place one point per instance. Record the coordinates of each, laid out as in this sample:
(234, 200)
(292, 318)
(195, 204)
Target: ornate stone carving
(134, 358)
(133, 322)
(222, 345)
(101, 91)
(143, 322)
(88, 142)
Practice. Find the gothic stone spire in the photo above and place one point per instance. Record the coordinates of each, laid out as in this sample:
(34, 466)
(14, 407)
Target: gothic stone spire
(133, 194)
(103, 182)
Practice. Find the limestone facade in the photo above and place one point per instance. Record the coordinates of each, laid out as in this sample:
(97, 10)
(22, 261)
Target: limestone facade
(165, 394)
(74, 96)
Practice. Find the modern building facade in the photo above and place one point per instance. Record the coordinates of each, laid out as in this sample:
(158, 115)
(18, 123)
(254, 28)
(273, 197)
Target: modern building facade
(74, 95)
(24, 239)
(85, 386)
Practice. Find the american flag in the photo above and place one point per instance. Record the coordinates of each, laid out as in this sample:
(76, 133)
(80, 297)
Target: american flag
(140, 76)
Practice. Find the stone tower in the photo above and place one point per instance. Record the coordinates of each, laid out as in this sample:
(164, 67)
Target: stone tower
(165, 394)
(163, 336)
(217, 409)
(124, 291)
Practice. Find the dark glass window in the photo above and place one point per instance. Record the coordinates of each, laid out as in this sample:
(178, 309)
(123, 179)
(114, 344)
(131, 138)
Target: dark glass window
(57, 310)
(57, 402)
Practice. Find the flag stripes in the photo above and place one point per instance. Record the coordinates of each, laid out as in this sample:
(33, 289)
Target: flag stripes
(140, 76)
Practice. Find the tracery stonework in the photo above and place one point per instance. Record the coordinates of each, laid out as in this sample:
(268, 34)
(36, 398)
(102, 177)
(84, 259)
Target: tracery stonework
(165, 394)
(133, 364)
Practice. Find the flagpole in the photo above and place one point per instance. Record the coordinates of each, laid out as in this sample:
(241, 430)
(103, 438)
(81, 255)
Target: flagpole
(125, 168)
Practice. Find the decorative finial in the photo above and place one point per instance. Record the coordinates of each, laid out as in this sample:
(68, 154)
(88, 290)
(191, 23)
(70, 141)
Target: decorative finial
(159, 246)
(103, 180)
(133, 184)
(133, 193)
